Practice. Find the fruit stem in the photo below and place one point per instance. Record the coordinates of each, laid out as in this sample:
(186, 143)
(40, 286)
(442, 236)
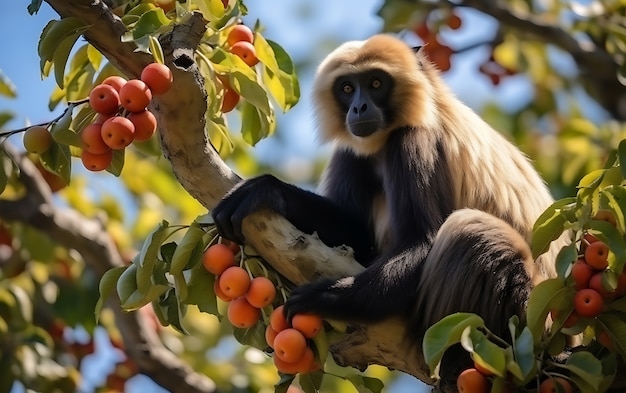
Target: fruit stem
(70, 107)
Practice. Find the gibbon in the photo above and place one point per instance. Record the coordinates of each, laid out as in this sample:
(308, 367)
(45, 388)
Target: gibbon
(437, 205)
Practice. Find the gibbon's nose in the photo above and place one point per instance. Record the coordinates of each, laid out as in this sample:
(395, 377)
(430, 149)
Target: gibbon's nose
(359, 110)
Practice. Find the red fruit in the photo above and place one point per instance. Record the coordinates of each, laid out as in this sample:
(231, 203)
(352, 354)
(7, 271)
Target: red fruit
(240, 33)
(605, 340)
(219, 293)
(588, 303)
(246, 52)
(96, 162)
(308, 324)
(218, 258)
(597, 254)
(270, 335)
(289, 345)
(91, 138)
(581, 274)
(115, 81)
(118, 132)
(145, 124)
(621, 285)
(135, 95)
(549, 385)
(234, 281)
(261, 292)
(158, 77)
(277, 319)
(230, 100)
(454, 22)
(104, 99)
(595, 283)
(242, 314)
(472, 381)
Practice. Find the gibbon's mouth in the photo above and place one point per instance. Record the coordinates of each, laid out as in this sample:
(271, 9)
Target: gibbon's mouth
(364, 128)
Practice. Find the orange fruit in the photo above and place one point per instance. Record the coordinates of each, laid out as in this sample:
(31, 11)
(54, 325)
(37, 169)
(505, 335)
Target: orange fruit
(218, 258)
(145, 124)
(239, 33)
(261, 292)
(219, 293)
(158, 77)
(454, 22)
(308, 324)
(104, 99)
(289, 345)
(472, 381)
(91, 138)
(588, 303)
(115, 81)
(230, 100)
(549, 385)
(246, 52)
(270, 335)
(234, 281)
(117, 132)
(96, 162)
(304, 365)
(597, 254)
(242, 314)
(135, 95)
(278, 321)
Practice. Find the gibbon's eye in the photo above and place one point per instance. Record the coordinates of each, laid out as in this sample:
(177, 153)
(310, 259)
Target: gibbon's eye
(376, 84)
(347, 88)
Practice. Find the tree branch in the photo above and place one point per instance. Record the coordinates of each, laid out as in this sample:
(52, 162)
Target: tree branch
(599, 69)
(90, 239)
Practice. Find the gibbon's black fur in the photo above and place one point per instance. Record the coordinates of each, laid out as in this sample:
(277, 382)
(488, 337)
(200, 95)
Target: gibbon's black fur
(437, 205)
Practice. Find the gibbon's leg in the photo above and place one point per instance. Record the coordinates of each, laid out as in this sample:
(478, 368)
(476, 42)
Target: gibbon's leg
(478, 264)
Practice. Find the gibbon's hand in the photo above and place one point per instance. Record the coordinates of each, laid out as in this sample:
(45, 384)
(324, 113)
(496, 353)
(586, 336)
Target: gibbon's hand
(325, 298)
(263, 192)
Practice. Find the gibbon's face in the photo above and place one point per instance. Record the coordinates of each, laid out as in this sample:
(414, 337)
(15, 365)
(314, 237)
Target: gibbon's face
(366, 89)
(364, 98)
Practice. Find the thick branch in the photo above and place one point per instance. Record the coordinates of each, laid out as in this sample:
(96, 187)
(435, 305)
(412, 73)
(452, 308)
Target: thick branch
(90, 239)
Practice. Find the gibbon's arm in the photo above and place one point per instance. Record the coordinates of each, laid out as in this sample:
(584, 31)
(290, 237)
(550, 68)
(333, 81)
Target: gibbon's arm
(417, 191)
(335, 225)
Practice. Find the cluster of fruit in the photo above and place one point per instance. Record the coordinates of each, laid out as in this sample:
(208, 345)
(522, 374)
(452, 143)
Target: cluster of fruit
(122, 114)
(239, 41)
(476, 380)
(292, 352)
(246, 298)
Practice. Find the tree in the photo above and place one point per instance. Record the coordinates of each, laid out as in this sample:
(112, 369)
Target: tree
(203, 69)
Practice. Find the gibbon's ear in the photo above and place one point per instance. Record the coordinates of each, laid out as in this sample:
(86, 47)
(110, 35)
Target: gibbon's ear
(416, 48)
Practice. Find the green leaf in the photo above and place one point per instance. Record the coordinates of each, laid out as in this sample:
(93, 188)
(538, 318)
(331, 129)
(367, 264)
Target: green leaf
(616, 203)
(33, 8)
(116, 166)
(148, 23)
(7, 88)
(254, 336)
(365, 384)
(148, 256)
(255, 125)
(173, 310)
(616, 329)
(549, 226)
(57, 159)
(564, 260)
(610, 235)
(127, 283)
(443, 334)
(6, 167)
(484, 351)
(61, 132)
(185, 248)
(108, 283)
(621, 151)
(156, 50)
(60, 57)
(584, 365)
(94, 56)
(525, 355)
(265, 53)
(200, 290)
(542, 298)
(311, 382)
